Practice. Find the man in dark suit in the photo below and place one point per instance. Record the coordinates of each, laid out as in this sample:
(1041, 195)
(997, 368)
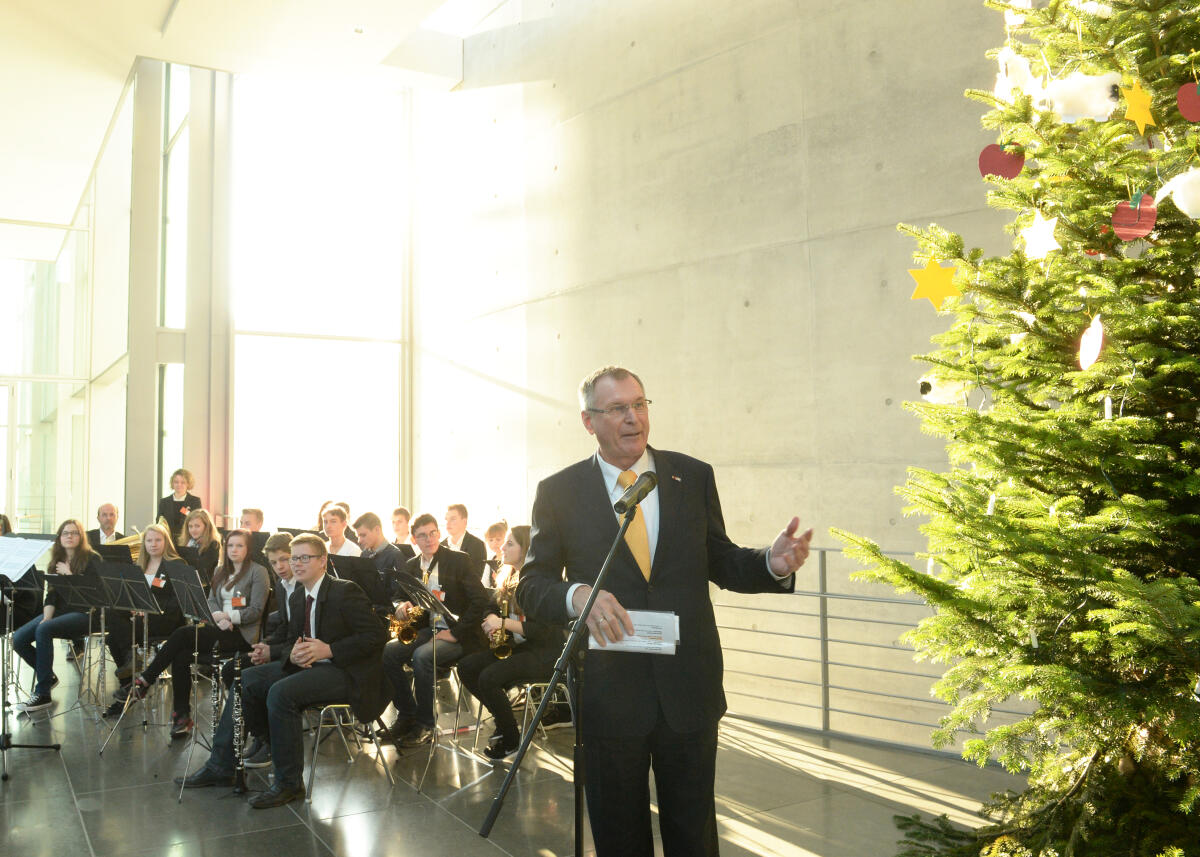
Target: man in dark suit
(403, 542)
(332, 655)
(641, 710)
(452, 578)
(458, 539)
(106, 517)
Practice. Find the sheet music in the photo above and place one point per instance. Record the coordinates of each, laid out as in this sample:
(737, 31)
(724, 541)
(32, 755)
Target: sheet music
(654, 631)
(17, 555)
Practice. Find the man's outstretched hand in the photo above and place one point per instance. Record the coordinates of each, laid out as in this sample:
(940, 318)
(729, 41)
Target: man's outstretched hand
(789, 551)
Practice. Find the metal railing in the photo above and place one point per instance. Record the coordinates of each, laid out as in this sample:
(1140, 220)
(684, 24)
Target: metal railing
(866, 687)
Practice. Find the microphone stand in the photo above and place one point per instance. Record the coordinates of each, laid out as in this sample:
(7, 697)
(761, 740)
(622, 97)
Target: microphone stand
(578, 633)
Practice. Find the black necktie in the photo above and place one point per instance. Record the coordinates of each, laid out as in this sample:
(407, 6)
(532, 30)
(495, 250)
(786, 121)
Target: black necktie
(308, 603)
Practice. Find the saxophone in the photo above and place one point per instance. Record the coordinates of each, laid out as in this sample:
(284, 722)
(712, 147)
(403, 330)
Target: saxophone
(405, 630)
(501, 641)
(239, 782)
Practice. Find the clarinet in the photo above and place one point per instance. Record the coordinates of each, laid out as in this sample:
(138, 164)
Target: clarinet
(239, 782)
(216, 685)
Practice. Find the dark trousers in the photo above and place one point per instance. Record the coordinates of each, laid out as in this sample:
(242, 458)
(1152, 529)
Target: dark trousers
(177, 652)
(414, 694)
(489, 678)
(34, 642)
(280, 698)
(616, 778)
(122, 637)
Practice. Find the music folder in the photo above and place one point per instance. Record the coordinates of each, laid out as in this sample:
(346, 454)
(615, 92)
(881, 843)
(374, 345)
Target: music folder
(128, 589)
(185, 583)
(116, 553)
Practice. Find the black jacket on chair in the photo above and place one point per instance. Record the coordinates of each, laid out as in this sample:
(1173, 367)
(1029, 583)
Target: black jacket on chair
(356, 636)
(573, 528)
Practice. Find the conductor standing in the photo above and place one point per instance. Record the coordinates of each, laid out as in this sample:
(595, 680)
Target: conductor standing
(643, 711)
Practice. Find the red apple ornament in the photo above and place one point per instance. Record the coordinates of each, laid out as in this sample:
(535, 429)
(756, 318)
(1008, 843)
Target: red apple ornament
(1188, 99)
(1003, 161)
(1135, 219)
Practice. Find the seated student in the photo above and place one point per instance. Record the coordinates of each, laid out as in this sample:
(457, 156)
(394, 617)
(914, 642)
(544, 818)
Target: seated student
(279, 554)
(450, 577)
(236, 598)
(535, 648)
(34, 641)
(320, 528)
(333, 522)
(252, 520)
(330, 653)
(122, 636)
(176, 505)
(106, 533)
(494, 537)
(403, 541)
(458, 539)
(387, 559)
(200, 534)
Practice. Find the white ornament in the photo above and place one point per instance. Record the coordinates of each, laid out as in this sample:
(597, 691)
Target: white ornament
(1039, 236)
(1184, 189)
(1016, 19)
(1015, 77)
(1090, 343)
(939, 392)
(1084, 96)
(1090, 7)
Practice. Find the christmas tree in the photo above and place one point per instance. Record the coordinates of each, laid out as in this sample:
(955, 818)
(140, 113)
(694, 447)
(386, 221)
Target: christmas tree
(1064, 539)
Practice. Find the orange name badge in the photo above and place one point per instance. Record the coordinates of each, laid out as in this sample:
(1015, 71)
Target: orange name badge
(439, 594)
(158, 583)
(239, 601)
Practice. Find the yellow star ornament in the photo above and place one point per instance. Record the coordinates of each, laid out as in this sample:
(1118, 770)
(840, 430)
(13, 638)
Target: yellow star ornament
(934, 283)
(1138, 110)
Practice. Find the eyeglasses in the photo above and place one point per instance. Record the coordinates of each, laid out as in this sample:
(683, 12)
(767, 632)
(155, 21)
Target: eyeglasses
(302, 558)
(74, 533)
(433, 534)
(638, 407)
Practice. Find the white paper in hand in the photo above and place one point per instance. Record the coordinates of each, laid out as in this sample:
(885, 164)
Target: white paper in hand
(654, 631)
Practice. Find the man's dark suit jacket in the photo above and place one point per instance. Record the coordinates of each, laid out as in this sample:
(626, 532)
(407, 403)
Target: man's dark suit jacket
(93, 537)
(407, 551)
(356, 636)
(473, 547)
(573, 529)
(465, 596)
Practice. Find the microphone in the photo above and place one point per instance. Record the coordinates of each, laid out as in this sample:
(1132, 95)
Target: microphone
(636, 492)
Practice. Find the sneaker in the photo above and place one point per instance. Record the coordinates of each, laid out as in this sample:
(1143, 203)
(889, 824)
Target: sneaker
(417, 736)
(396, 732)
(557, 717)
(181, 725)
(258, 754)
(501, 748)
(75, 650)
(53, 681)
(37, 702)
(122, 693)
(115, 709)
(140, 688)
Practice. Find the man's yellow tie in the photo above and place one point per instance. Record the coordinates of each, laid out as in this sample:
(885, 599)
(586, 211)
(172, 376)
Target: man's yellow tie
(635, 536)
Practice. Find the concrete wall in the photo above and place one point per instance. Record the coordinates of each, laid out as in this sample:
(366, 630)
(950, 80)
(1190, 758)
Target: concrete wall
(707, 193)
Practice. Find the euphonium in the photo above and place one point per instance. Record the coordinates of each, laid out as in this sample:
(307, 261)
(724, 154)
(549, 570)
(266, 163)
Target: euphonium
(501, 641)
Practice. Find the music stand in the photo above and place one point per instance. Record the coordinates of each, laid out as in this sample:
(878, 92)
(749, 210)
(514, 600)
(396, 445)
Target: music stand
(116, 553)
(191, 557)
(16, 557)
(128, 591)
(362, 571)
(193, 602)
(298, 531)
(85, 593)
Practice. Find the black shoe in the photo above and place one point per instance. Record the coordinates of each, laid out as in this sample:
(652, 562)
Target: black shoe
(276, 795)
(556, 717)
(115, 709)
(122, 693)
(204, 777)
(258, 754)
(181, 725)
(37, 702)
(396, 732)
(53, 681)
(417, 735)
(501, 748)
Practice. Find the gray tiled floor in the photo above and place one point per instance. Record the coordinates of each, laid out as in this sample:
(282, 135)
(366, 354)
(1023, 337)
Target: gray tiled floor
(779, 792)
